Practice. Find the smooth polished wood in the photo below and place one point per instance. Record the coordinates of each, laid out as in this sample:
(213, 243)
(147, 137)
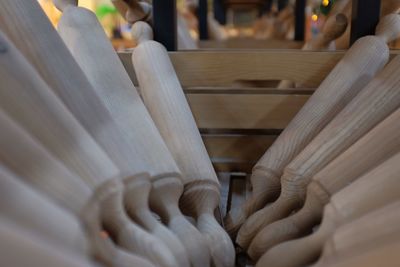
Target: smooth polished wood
(49, 176)
(371, 191)
(370, 232)
(21, 247)
(367, 56)
(383, 140)
(164, 97)
(367, 109)
(87, 42)
(29, 209)
(28, 100)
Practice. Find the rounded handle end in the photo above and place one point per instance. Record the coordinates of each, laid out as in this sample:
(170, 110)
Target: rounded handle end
(141, 32)
(63, 4)
(389, 28)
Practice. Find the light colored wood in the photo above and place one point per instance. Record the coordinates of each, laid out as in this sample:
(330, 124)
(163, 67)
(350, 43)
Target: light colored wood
(20, 248)
(49, 176)
(371, 191)
(29, 209)
(146, 151)
(367, 109)
(209, 68)
(242, 111)
(164, 97)
(385, 255)
(249, 43)
(367, 56)
(334, 27)
(35, 107)
(383, 140)
(185, 40)
(367, 233)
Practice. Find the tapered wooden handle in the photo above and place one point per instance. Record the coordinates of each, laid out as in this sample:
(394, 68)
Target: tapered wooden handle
(367, 56)
(128, 234)
(133, 10)
(345, 129)
(303, 250)
(136, 199)
(164, 97)
(63, 4)
(29, 209)
(388, 28)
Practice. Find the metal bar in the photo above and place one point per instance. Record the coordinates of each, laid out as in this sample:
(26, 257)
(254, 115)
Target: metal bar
(202, 13)
(219, 11)
(164, 23)
(364, 18)
(300, 20)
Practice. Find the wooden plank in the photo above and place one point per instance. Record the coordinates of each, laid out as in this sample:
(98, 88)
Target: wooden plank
(237, 111)
(224, 68)
(238, 147)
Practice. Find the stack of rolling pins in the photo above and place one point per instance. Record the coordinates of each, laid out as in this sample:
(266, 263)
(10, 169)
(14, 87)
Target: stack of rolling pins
(92, 174)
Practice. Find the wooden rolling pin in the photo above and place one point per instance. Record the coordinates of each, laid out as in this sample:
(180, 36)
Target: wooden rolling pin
(20, 248)
(131, 10)
(86, 40)
(385, 255)
(333, 28)
(383, 140)
(371, 191)
(29, 209)
(166, 102)
(366, 110)
(366, 233)
(65, 77)
(367, 56)
(48, 175)
(31, 103)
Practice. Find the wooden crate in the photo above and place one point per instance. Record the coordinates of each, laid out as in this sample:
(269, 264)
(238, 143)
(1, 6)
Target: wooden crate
(238, 119)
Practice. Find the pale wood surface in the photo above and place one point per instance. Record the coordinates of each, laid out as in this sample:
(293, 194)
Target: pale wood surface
(29, 209)
(366, 57)
(164, 97)
(371, 191)
(367, 109)
(146, 151)
(20, 247)
(250, 43)
(369, 232)
(383, 141)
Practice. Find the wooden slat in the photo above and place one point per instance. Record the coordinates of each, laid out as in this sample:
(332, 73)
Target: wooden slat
(224, 68)
(238, 147)
(237, 111)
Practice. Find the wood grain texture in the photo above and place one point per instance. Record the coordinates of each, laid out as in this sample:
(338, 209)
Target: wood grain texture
(35, 107)
(92, 50)
(29, 101)
(371, 191)
(20, 247)
(369, 232)
(164, 97)
(31, 210)
(367, 56)
(249, 43)
(367, 109)
(240, 111)
(372, 149)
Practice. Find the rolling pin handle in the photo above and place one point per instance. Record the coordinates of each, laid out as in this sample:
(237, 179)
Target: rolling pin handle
(389, 28)
(63, 4)
(141, 32)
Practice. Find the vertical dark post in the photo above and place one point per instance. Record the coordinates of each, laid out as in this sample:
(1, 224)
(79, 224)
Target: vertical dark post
(364, 18)
(219, 11)
(300, 20)
(164, 23)
(202, 13)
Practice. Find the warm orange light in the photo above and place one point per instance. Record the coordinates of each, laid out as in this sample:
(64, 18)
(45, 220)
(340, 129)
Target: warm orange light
(325, 2)
(314, 17)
